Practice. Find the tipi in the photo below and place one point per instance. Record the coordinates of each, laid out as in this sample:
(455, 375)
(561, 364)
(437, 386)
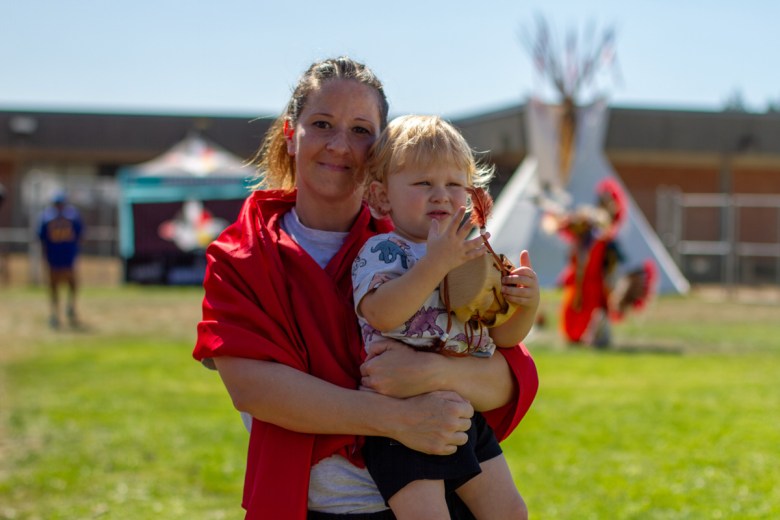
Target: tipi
(566, 162)
(537, 187)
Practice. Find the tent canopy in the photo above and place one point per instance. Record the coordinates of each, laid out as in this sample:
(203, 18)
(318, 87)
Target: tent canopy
(194, 170)
(194, 156)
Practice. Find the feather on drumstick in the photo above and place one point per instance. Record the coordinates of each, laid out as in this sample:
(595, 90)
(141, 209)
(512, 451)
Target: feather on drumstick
(481, 206)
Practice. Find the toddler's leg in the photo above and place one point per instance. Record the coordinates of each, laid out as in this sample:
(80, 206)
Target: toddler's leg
(420, 500)
(492, 494)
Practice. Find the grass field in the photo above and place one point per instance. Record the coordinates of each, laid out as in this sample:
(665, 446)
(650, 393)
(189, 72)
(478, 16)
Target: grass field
(681, 420)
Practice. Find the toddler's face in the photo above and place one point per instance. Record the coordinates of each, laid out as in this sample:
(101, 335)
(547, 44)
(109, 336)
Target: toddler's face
(416, 196)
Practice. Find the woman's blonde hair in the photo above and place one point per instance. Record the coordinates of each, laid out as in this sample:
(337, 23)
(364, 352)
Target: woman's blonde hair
(423, 141)
(275, 167)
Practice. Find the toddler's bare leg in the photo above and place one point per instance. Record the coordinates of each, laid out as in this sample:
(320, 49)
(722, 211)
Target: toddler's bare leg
(492, 494)
(420, 500)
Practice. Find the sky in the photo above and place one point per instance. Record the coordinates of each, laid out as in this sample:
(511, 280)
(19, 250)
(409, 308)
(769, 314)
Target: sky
(449, 57)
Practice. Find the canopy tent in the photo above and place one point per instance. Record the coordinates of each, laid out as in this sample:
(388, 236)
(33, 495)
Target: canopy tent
(537, 183)
(172, 206)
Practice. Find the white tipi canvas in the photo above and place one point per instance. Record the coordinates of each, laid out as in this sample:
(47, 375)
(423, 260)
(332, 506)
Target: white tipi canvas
(515, 222)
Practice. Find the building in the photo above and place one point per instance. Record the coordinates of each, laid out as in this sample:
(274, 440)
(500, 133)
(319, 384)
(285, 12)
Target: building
(709, 182)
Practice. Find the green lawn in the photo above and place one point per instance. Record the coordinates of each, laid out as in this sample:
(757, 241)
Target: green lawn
(680, 420)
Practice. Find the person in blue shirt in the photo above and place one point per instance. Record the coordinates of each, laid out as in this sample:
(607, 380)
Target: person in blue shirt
(60, 231)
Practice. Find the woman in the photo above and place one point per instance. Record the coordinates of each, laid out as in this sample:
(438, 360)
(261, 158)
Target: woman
(279, 325)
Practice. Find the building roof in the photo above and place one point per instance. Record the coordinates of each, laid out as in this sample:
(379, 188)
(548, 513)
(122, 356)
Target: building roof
(641, 129)
(123, 138)
(133, 138)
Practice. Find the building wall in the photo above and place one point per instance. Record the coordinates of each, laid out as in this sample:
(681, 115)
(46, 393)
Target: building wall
(692, 152)
(747, 179)
(643, 180)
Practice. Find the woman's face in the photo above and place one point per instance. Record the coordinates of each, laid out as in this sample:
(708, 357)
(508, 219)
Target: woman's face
(337, 126)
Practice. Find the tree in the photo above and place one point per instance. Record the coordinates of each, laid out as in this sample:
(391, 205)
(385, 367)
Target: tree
(735, 102)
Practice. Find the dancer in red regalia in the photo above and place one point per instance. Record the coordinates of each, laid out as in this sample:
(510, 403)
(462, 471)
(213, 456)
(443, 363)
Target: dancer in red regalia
(594, 292)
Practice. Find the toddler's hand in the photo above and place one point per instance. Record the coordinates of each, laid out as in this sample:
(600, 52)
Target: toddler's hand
(447, 244)
(521, 286)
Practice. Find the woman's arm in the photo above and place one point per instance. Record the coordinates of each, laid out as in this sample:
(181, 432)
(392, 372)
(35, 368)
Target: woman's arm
(275, 393)
(509, 377)
(395, 369)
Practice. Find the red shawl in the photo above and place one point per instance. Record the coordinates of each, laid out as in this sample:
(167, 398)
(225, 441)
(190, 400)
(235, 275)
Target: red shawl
(268, 299)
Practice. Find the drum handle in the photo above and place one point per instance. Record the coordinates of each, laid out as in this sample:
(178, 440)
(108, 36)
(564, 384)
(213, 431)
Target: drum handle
(502, 267)
(469, 329)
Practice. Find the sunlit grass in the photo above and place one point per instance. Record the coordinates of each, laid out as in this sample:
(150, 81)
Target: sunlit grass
(651, 436)
(137, 430)
(117, 421)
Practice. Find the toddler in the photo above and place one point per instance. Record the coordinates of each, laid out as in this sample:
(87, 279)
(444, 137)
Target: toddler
(418, 173)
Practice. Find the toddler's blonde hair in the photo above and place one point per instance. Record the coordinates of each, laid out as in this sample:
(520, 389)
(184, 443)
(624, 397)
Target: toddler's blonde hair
(422, 141)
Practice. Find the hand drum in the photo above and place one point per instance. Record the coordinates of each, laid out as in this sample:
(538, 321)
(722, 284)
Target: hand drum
(473, 290)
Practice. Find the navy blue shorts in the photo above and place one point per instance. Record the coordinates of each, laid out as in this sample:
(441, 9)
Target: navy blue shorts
(392, 465)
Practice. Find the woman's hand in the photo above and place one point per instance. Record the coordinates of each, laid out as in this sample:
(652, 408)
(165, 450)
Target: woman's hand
(433, 423)
(397, 370)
